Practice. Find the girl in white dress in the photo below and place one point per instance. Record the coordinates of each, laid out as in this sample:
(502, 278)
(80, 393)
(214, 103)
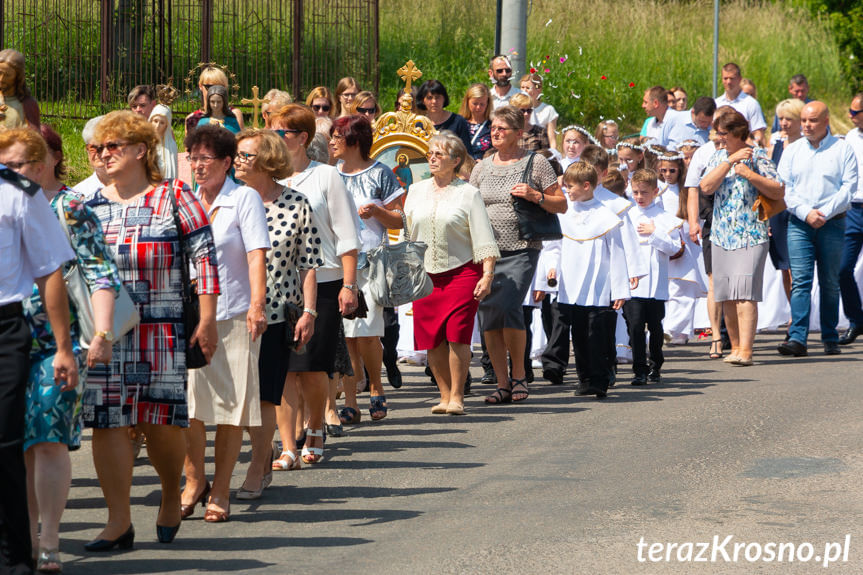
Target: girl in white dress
(544, 114)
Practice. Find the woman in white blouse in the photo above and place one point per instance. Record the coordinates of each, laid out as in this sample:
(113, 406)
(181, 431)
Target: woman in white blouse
(449, 215)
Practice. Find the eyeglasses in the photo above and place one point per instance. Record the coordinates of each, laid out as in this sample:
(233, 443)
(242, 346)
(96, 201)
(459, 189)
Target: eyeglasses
(853, 113)
(500, 129)
(15, 166)
(504, 70)
(282, 133)
(336, 137)
(721, 133)
(204, 160)
(348, 95)
(527, 111)
(112, 147)
(667, 170)
(437, 155)
(367, 111)
(321, 108)
(245, 157)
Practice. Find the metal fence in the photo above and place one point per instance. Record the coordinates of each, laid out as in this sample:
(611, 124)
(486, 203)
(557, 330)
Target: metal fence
(83, 56)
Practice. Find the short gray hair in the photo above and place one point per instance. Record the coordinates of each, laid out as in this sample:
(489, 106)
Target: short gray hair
(90, 130)
(318, 149)
(278, 99)
(452, 145)
(510, 115)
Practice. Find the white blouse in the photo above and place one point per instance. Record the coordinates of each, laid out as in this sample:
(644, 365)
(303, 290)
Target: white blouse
(453, 222)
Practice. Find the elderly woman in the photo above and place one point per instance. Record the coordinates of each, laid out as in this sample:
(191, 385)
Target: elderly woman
(320, 100)
(500, 178)
(276, 100)
(145, 383)
(432, 100)
(449, 215)
(334, 216)
(294, 254)
(160, 117)
(225, 393)
(22, 109)
(378, 195)
(475, 108)
(736, 175)
(52, 417)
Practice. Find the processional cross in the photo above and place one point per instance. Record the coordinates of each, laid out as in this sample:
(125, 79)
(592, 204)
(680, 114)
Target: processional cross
(409, 73)
(256, 105)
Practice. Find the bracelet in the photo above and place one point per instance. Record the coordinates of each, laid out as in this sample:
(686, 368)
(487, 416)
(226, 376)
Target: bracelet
(541, 198)
(311, 312)
(352, 287)
(488, 274)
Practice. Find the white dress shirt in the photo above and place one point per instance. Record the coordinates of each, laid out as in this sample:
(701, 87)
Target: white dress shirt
(855, 140)
(820, 178)
(746, 105)
(698, 164)
(498, 101)
(88, 187)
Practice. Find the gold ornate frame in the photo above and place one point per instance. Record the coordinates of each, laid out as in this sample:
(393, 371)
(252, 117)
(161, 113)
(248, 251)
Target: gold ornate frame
(404, 128)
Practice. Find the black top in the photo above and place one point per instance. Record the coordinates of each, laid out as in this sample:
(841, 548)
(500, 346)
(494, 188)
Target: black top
(457, 124)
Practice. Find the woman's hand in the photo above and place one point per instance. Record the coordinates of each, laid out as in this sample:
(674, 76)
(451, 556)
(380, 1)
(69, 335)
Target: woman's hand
(256, 320)
(744, 154)
(304, 329)
(207, 336)
(347, 301)
(368, 211)
(483, 287)
(99, 352)
(743, 171)
(522, 190)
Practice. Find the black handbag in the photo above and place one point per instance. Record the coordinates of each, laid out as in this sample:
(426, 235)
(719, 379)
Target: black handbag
(362, 308)
(293, 312)
(195, 357)
(534, 223)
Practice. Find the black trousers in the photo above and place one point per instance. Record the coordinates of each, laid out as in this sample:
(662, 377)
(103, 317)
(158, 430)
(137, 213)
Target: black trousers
(390, 340)
(15, 549)
(638, 313)
(590, 328)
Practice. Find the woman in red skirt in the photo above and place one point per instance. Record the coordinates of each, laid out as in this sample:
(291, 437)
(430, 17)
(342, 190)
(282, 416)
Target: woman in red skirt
(449, 215)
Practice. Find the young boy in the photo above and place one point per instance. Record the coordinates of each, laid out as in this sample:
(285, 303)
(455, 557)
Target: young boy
(593, 280)
(655, 228)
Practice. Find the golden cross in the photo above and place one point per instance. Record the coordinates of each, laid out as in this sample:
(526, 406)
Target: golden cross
(408, 73)
(256, 105)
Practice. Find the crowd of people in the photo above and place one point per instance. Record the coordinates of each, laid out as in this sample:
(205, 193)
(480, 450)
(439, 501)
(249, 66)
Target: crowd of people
(268, 238)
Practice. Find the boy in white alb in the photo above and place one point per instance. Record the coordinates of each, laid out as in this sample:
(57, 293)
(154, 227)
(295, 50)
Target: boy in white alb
(659, 239)
(593, 278)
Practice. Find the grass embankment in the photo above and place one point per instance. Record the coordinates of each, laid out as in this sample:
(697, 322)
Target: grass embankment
(627, 42)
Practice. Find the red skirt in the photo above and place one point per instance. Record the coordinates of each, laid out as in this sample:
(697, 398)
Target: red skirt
(448, 313)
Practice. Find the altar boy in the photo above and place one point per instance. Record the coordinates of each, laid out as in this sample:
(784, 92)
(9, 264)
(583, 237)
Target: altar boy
(658, 240)
(593, 278)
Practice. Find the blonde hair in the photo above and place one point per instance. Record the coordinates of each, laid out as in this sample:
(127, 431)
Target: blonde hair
(475, 91)
(361, 99)
(534, 79)
(128, 126)
(211, 75)
(273, 158)
(580, 172)
(790, 107)
(520, 100)
(645, 176)
(35, 147)
(322, 92)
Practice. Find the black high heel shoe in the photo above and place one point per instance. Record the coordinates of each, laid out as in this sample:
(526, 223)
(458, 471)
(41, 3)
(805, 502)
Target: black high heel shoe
(167, 534)
(124, 541)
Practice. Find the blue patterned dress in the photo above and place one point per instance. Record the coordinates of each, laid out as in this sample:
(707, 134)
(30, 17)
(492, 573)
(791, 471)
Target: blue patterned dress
(54, 416)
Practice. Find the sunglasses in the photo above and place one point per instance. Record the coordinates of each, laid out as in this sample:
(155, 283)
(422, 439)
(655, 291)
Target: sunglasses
(527, 110)
(366, 111)
(504, 70)
(853, 113)
(112, 147)
(319, 108)
(282, 133)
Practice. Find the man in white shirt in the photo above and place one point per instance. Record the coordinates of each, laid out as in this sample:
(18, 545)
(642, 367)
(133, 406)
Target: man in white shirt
(500, 72)
(99, 178)
(655, 105)
(820, 175)
(853, 232)
(735, 97)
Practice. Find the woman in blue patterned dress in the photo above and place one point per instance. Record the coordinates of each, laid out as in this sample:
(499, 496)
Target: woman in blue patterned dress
(737, 174)
(145, 383)
(53, 414)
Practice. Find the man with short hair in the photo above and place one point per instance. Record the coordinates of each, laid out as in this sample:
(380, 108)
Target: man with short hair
(142, 100)
(691, 124)
(798, 87)
(820, 175)
(853, 232)
(655, 105)
(735, 97)
(500, 71)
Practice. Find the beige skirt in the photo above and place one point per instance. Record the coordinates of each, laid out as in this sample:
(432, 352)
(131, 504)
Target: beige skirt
(226, 392)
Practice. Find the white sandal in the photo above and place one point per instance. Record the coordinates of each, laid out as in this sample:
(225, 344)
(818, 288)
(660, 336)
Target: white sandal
(313, 455)
(282, 464)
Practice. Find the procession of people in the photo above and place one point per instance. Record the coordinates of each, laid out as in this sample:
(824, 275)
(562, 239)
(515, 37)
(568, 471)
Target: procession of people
(230, 284)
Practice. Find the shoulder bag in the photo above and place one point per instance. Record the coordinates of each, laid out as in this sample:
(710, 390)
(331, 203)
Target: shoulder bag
(534, 223)
(396, 272)
(195, 357)
(126, 315)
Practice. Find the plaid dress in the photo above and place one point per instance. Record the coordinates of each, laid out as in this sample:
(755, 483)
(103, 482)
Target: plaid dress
(146, 381)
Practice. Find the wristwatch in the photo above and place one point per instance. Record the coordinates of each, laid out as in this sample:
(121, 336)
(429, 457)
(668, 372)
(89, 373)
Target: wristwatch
(541, 198)
(106, 335)
(311, 312)
(352, 287)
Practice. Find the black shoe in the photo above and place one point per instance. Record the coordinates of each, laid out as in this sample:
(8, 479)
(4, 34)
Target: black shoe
(832, 348)
(654, 376)
(585, 390)
(488, 378)
(429, 373)
(792, 347)
(394, 375)
(167, 534)
(467, 381)
(554, 377)
(335, 430)
(528, 375)
(124, 541)
(850, 335)
(639, 380)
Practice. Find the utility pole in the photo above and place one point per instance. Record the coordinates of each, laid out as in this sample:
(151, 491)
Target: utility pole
(511, 36)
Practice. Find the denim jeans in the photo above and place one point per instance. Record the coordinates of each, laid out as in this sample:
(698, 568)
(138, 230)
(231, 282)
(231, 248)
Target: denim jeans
(808, 246)
(850, 253)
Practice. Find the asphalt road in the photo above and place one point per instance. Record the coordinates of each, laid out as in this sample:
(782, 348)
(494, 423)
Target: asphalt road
(767, 454)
